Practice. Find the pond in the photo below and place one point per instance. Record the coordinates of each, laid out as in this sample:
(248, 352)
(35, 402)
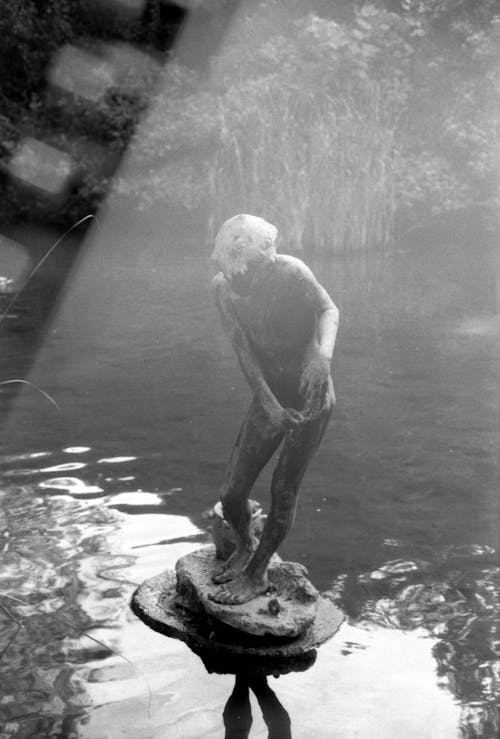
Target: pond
(397, 520)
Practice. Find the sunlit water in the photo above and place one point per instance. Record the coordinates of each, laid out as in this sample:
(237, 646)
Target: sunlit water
(397, 518)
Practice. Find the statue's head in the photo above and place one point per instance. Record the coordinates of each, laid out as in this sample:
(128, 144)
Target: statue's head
(244, 240)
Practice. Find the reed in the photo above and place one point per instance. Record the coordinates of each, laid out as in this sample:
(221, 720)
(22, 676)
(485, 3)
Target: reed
(320, 167)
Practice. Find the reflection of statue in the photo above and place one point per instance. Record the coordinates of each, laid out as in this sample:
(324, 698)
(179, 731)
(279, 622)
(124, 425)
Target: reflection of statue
(238, 713)
(282, 325)
(251, 673)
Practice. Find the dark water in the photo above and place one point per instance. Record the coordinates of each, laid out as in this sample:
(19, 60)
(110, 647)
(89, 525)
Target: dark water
(398, 516)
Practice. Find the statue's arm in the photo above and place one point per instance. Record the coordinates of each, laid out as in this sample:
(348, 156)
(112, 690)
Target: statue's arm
(315, 381)
(326, 311)
(246, 358)
(328, 323)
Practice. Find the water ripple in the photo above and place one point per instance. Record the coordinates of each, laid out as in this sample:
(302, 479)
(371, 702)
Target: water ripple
(11, 458)
(64, 467)
(72, 485)
(115, 460)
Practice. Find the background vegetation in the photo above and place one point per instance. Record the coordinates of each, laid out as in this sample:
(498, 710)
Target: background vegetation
(345, 123)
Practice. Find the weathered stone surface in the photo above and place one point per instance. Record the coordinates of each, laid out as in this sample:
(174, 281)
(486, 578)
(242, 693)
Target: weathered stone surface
(285, 611)
(157, 603)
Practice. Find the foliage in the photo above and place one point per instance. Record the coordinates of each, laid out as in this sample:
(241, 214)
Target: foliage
(32, 33)
(345, 123)
(295, 154)
(345, 126)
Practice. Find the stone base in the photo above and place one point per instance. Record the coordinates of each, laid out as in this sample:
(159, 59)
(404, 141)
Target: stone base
(285, 610)
(157, 603)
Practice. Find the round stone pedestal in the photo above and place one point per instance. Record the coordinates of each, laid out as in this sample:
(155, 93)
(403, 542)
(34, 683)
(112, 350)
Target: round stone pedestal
(158, 603)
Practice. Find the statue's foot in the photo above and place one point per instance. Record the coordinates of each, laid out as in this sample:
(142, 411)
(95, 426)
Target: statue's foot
(226, 574)
(234, 565)
(240, 590)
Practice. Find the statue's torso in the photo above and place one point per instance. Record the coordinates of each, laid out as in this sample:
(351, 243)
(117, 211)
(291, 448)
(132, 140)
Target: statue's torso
(279, 318)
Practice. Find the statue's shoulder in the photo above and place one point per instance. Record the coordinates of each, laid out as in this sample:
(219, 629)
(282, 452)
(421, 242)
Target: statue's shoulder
(294, 267)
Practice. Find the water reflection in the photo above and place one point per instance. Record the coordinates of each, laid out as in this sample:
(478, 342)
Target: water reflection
(64, 588)
(456, 603)
(41, 604)
(238, 713)
(115, 460)
(66, 467)
(73, 485)
(75, 563)
(251, 675)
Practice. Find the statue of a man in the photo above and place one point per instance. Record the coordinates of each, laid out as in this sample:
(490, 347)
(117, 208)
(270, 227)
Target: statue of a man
(282, 325)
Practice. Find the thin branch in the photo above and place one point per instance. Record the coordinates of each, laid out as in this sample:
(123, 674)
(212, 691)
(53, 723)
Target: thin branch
(42, 260)
(32, 384)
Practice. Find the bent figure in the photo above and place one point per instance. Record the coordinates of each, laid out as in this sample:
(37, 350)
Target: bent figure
(282, 325)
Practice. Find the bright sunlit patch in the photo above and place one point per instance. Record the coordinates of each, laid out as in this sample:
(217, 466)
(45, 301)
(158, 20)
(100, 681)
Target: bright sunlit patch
(135, 498)
(115, 460)
(470, 550)
(395, 567)
(154, 528)
(81, 73)
(157, 558)
(15, 262)
(64, 467)
(41, 165)
(71, 485)
(405, 699)
(76, 449)
(9, 458)
(171, 491)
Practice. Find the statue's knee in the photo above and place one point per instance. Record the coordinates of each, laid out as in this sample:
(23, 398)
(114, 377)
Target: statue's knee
(284, 494)
(231, 500)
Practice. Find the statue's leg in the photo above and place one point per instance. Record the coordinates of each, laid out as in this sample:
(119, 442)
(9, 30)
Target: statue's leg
(238, 712)
(273, 712)
(256, 443)
(298, 448)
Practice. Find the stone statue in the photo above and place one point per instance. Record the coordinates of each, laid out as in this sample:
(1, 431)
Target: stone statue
(282, 325)
(238, 599)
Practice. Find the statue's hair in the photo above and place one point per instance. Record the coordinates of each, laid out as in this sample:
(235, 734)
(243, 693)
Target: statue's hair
(242, 238)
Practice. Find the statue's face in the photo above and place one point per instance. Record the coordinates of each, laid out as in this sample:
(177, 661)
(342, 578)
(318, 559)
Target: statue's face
(242, 242)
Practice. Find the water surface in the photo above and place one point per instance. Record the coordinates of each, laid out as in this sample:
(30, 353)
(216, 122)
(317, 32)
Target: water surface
(397, 520)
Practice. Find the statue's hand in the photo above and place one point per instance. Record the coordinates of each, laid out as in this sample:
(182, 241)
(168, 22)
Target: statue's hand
(283, 418)
(316, 386)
